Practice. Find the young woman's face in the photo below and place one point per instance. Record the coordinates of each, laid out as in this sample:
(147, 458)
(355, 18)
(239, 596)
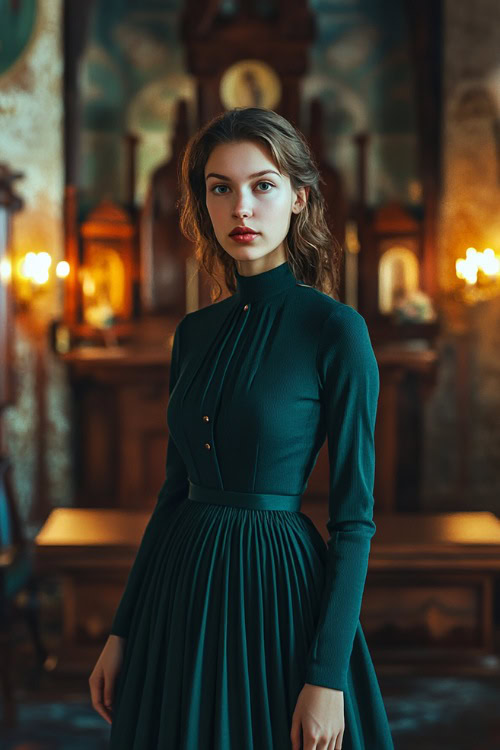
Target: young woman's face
(245, 189)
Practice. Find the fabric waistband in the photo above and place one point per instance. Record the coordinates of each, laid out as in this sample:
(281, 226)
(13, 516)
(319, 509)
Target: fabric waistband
(251, 500)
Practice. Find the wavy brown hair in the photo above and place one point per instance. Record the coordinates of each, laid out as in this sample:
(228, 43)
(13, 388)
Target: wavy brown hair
(312, 251)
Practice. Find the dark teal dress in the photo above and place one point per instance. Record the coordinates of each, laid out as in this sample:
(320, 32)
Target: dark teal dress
(234, 600)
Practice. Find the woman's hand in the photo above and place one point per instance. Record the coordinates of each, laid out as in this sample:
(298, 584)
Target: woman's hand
(102, 679)
(320, 713)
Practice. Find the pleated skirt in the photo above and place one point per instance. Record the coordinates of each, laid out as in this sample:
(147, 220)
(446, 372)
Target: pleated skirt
(219, 638)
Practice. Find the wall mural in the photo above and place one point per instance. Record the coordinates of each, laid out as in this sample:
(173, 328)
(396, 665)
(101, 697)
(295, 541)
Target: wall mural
(361, 71)
(17, 32)
(133, 74)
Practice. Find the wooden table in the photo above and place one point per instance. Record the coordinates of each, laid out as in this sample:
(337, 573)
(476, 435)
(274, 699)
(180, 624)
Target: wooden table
(90, 551)
(430, 590)
(429, 594)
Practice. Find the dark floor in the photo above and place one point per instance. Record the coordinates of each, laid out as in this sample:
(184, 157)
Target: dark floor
(425, 713)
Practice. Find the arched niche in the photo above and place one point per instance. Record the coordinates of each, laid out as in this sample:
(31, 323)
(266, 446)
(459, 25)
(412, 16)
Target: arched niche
(398, 276)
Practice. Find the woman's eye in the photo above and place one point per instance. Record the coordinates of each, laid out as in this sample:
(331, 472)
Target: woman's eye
(263, 182)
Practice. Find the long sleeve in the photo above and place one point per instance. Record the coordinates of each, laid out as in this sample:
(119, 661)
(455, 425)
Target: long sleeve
(349, 378)
(173, 490)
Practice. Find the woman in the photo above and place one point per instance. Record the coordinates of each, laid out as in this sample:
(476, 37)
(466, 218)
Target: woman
(239, 628)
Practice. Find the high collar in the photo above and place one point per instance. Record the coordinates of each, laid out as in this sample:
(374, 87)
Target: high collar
(266, 283)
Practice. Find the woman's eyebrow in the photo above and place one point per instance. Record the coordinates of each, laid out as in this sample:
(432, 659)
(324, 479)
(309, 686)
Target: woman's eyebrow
(255, 174)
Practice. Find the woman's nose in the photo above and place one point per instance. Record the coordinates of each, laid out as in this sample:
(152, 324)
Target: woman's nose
(241, 212)
(241, 206)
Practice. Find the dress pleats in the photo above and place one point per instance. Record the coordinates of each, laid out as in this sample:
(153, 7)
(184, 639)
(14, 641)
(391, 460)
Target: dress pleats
(220, 632)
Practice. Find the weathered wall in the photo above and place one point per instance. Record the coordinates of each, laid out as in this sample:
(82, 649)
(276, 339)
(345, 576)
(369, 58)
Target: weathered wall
(31, 114)
(462, 466)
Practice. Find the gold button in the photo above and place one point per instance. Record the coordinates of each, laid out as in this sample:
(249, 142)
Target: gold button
(246, 307)
(208, 446)
(206, 419)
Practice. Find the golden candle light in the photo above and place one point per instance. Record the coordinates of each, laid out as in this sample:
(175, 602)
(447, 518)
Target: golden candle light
(33, 273)
(481, 273)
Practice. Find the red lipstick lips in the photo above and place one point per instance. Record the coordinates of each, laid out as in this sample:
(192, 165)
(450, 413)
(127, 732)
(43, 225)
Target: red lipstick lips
(243, 235)
(242, 230)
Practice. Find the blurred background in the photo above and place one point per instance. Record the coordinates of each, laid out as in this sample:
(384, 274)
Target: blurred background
(400, 101)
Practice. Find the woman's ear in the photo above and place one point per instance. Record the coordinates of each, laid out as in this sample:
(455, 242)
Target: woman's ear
(302, 194)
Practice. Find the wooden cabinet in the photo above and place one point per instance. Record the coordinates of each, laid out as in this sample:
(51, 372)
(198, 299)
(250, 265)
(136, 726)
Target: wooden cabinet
(120, 398)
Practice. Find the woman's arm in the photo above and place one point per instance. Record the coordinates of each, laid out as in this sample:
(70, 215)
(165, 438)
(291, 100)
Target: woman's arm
(349, 377)
(173, 490)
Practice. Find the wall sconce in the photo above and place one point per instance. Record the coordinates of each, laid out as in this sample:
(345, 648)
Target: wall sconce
(33, 276)
(480, 272)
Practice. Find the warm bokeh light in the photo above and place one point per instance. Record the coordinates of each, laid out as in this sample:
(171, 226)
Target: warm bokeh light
(27, 266)
(62, 269)
(44, 259)
(35, 267)
(487, 262)
(5, 270)
(32, 273)
(40, 276)
(466, 270)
